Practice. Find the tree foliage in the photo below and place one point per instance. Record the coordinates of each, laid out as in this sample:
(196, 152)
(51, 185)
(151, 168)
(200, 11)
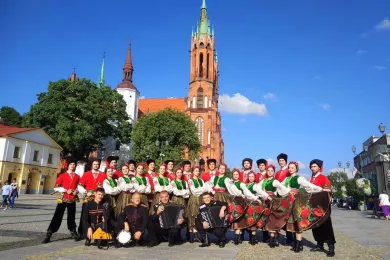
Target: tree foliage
(169, 125)
(10, 116)
(78, 115)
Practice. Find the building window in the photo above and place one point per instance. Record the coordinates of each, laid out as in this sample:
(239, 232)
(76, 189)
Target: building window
(17, 152)
(193, 102)
(201, 65)
(35, 157)
(200, 98)
(50, 159)
(200, 125)
(206, 101)
(209, 137)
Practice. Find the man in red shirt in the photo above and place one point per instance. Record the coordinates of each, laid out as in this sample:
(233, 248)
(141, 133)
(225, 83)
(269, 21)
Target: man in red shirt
(262, 164)
(186, 170)
(247, 165)
(211, 165)
(283, 172)
(131, 164)
(89, 182)
(324, 233)
(66, 185)
(170, 174)
(112, 162)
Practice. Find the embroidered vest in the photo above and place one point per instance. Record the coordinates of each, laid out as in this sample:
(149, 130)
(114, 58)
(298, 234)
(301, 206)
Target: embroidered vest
(141, 181)
(293, 182)
(112, 182)
(238, 185)
(127, 179)
(250, 187)
(220, 180)
(180, 185)
(197, 183)
(267, 185)
(163, 181)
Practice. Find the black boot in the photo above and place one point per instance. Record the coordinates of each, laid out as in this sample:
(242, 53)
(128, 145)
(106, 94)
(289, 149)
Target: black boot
(236, 239)
(196, 237)
(205, 242)
(252, 239)
(265, 236)
(318, 248)
(47, 238)
(293, 246)
(271, 242)
(242, 236)
(74, 235)
(298, 245)
(87, 242)
(191, 237)
(331, 252)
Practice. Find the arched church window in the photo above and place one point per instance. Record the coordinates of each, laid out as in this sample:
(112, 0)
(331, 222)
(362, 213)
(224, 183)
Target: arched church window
(201, 65)
(200, 126)
(200, 98)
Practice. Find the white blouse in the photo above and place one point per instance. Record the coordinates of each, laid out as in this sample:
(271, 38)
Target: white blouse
(280, 188)
(309, 187)
(126, 187)
(110, 190)
(247, 193)
(141, 188)
(185, 193)
(159, 188)
(200, 190)
(232, 189)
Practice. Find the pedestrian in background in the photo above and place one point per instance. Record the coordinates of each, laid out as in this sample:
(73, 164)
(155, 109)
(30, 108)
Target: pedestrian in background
(14, 193)
(384, 203)
(6, 192)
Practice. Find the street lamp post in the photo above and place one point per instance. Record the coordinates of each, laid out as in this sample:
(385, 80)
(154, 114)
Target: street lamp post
(347, 164)
(382, 128)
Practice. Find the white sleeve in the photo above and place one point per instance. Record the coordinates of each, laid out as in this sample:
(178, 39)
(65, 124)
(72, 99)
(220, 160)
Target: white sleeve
(107, 188)
(137, 187)
(175, 190)
(280, 188)
(195, 191)
(157, 187)
(81, 189)
(232, 189)
(169, 187)
(60, 189)
(247, 193)
(259, 191)
(210, 183)
(309, 187)
(121, 183)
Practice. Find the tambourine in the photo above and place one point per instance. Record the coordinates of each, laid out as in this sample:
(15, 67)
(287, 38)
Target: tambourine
(124, 237)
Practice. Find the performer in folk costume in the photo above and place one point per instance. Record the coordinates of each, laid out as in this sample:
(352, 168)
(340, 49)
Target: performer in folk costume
(197, 188)
(97, 214)
(88, 184)
(223, 186)
(170, 173)
(211, 165)
(141, 184)
(262, 165)
(131, 164)
(324, 233)
(112, 163)
(247, 165)
(111, 188)
(187, 174)
(301, 198)
(150, 174)
(66, 185)
(180, 189)
(203, 226)
(134, 219)
(156, 232)
(276, 213)
(160, 183)
(280, 176)
(127, 189)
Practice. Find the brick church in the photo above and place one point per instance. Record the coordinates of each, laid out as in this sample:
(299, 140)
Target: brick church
(201, 102)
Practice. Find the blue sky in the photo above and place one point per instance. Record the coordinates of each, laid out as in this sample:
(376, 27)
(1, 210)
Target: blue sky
(320, 68)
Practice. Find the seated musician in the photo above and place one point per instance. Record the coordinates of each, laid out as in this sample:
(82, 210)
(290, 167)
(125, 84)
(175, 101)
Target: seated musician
(203, 225)
(157, 233)
(96, 215)
(134, 219)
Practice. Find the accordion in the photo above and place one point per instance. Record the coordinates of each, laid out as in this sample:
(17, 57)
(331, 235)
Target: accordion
(211, 216)
(168, 218)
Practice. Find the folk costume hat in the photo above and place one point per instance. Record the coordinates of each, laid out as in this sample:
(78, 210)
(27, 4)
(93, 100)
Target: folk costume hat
(211, 161)
(110, 159)
(271, 166)
(68, 160)
(260, 161)
(149, 161)
(186, 162)
(319, 163)
(131, 162)
(282, 156)
(247, 160)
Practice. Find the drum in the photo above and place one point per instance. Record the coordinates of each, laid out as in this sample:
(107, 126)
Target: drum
(124, 237)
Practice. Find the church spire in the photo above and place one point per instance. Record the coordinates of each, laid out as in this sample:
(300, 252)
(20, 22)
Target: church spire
(101, 80)
(128, 68)
(204, 22)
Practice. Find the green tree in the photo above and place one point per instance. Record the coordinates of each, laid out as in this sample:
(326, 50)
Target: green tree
(10, 116)
(169, 125)
(79, 115)
(337, 180)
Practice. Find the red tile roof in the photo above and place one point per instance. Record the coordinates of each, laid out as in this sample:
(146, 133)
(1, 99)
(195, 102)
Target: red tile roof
(7, 130)
(126, 84)
(156, 104)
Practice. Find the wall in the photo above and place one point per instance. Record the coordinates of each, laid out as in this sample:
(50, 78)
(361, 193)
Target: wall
(130, 96)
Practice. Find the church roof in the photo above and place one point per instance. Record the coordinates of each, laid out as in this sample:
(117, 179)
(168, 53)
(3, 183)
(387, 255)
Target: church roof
(126, 84)
(7, 130)
(151, 105)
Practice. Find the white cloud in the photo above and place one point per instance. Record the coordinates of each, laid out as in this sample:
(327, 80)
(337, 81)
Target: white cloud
(349, 171)
(239, 104)
(142, 97)
(377, 67)
(271, 97)
(383, 25)
(325, 107)
(360, 52)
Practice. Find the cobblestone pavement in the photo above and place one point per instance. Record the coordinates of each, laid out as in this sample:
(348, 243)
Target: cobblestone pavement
(22, 229)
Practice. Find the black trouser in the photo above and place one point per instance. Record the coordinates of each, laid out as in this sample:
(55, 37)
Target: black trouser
(219, 232)
(59, 214)
(324, 233)
(289, 237)
(81, 230)
(157, 234)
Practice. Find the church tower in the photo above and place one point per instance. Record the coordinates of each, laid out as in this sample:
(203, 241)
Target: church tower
(127, 89)
(202, 100)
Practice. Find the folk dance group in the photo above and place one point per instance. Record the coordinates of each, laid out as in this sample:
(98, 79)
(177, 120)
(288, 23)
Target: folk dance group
(118, 205)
